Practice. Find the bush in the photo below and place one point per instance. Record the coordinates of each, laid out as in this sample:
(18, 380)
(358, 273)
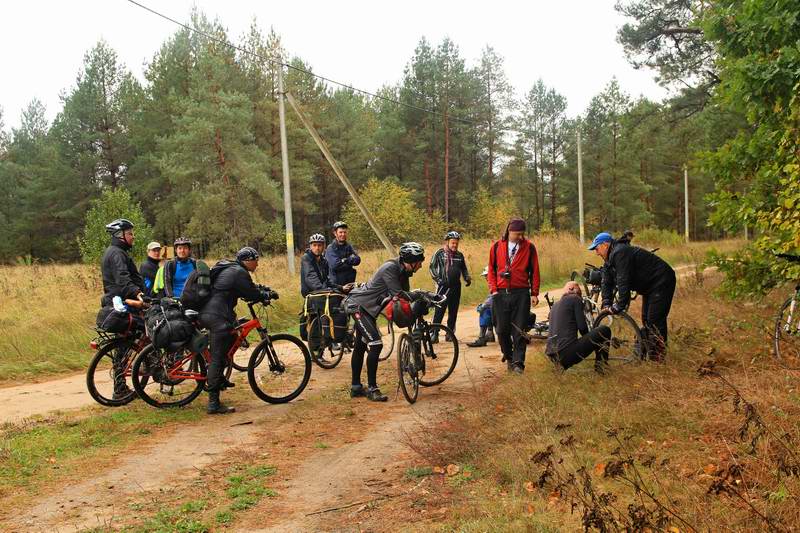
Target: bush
(657, 237)
(113, 204)
(396, 212)
(489, 215)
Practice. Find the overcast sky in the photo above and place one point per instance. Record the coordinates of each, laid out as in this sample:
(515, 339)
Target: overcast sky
(570, 44)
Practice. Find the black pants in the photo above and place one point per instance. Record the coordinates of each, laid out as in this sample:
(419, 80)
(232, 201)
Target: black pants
(453, 301)
(655, 310)
(220, 339)
(368, 340)
(510, 310)
(597, 341)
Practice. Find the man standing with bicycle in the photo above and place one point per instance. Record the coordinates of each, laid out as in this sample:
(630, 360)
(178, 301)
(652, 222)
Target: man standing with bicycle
(230, 280)
(630, 268)
(514, 284)
(447, 267)
(365, 303)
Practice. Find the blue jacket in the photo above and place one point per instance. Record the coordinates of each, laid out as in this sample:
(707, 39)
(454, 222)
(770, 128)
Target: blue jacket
(341, 259)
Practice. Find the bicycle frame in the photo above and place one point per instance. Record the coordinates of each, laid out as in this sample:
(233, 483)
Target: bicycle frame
(787, 327)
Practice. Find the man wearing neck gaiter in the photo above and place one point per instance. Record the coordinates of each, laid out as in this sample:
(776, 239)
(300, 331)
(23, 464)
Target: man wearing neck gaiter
(447, 268)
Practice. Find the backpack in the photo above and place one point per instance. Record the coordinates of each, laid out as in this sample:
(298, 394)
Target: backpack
(197, 289)
(398, 310)
(112, 321)
(167, 326)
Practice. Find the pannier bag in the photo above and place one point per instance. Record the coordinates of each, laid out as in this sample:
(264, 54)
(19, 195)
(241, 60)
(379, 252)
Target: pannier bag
(112, 321)
(323, 316)
(166, 325)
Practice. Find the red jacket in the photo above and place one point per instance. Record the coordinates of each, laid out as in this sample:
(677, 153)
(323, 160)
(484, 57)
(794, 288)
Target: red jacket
(524, 269)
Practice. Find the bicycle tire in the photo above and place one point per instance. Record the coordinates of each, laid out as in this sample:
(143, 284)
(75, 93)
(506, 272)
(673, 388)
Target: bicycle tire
(276, 367)
(406, 368)
(107, 350)
(318, 355)
(781, 354)
(440, 369)
(626, 337)
(387, 336)
(139, 371)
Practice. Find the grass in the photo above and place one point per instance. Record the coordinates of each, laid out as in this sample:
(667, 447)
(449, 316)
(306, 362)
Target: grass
(708, 441)
(48, 311)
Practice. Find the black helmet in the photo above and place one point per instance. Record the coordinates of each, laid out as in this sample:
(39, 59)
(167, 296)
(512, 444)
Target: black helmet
(339, 224)
(182, 240)
(317, 237)
(452, 235)
(121, 224)
(412, 252)
(246, 254)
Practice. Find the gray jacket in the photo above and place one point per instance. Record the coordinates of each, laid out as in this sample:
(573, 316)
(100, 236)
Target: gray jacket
(389, 280)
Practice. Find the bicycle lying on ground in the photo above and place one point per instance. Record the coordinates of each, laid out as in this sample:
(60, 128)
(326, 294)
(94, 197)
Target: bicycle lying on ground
(420, 360)
(786, 336)
(278, 369)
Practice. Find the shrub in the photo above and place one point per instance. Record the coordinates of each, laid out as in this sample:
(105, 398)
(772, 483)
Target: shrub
(489, 215)
(113, 204)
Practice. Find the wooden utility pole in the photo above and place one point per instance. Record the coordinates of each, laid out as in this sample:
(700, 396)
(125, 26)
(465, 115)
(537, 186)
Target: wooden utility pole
(686, 200)
(341, 175)
(287, 187)
(580, 188)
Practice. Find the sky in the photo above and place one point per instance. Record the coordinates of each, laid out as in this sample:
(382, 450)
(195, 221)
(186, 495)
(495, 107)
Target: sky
(570, 44)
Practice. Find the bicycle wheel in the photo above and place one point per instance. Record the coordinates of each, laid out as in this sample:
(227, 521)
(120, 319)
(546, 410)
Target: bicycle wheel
(100, 374)
(168, 379)
(626, 337)
(407, 369)
(325, 354)
(279, 368)
(787, 334)
(386, 327)
(440, 358)
(590, 310)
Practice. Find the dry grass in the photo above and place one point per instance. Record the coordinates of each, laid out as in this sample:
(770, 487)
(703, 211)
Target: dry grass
(48, 311)
(707, 442)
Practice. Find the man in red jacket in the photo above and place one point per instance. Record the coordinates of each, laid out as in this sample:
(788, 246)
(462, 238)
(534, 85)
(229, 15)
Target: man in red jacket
(514, 283)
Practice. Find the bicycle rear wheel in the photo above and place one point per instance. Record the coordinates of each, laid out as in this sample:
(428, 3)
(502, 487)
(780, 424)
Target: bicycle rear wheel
(386, 327)
(325, 354)
(407, 369)
(786, 339)
(100, 374)
(440, 358)
(626, 338)
(279, 368)
(168, 379)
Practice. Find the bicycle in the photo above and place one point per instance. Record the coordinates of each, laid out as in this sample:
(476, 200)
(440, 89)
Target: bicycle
(164, 378)
(786, 337)
(420, 361)
(100, 373)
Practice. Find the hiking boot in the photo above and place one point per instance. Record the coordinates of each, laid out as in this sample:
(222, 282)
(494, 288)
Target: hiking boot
(477, 343)
(517, 369)
(358, 391)
(216, 407)
(374, 394)
(121, 393)
(226, 384)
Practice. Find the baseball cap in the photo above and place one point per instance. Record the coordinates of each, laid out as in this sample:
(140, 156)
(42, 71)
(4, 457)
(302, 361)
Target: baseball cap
(600, 239)
(153, 245)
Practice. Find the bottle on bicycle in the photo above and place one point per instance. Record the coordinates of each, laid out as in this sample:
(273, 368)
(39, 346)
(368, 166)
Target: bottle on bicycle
(365, 303)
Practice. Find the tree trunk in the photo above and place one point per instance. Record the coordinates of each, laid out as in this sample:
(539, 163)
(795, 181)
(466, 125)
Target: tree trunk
(491, 133)
(446, 167)
(428, 187)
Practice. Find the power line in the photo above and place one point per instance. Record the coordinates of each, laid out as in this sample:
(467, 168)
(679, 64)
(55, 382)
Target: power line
(309, 73)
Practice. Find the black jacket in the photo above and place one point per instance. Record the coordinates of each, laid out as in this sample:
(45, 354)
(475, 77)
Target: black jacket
(229, 282)
(120, 276)
(389, 280)
(341, 260)
(630, 268)
(452, 277)
(314, 275)
(566, 321)
(148, 269)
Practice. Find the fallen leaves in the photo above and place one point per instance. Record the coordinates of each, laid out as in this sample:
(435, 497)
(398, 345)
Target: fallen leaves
(452, 469)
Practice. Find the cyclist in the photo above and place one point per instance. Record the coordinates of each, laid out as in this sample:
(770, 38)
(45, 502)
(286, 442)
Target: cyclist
(120, 278)
(567, 319)
(365, 303)
(149, 267)
(173, 275)
(447, 267)
(341, 256)
(630, 268)
(514, 284)
(230, 280)
(314, 269)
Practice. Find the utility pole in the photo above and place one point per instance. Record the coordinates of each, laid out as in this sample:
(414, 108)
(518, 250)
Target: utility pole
(686, 200)
(580, 188)
(287, 186)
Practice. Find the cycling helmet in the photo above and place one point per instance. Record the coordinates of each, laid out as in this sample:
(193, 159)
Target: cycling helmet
(339, 224)
(182, 240)
(452, 235)
(246, 254)
(121, 224)
(317, 237)
(412, 252)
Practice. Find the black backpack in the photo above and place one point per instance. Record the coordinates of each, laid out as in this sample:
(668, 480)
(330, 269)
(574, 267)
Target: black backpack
(197, 289)
(167, 326)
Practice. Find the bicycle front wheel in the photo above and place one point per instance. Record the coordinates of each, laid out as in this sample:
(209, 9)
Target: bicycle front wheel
(168, 379)
(440, 358)
(407, 369)
(326, 354)
(279, 368)
(101, 373)
(626, 338)
(386, 327)
(786, 338)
